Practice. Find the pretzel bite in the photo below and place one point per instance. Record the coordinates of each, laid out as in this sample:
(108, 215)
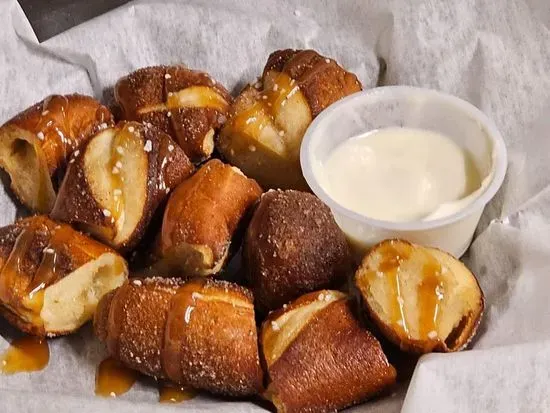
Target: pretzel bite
(293, 246)
(201, 220)
(422, 299)
(268, 119)
(188, 105)
(199, 334)
(319, 358)
(35, 144)
(52, 277)
(117, 180)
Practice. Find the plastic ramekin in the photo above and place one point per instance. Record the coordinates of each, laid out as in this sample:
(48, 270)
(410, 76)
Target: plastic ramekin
(413, 107)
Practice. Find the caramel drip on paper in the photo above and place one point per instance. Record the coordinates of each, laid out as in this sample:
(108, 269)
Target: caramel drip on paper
(113, 379)
(25, 354)
(171, 393)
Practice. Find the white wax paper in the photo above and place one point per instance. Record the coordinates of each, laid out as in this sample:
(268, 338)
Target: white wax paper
(493, 53)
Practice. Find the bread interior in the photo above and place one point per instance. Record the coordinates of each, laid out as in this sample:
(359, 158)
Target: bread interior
(427, 295)
(71, 302)
(190, 97)
(294, 116)
(279, 333)
(22, 158)
(131, 178)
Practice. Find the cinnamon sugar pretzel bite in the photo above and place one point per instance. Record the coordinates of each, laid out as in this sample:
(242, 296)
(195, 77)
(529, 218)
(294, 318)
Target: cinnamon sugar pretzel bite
(268, 119)
(37, 143)
(52, 277)
(200, 333)
(188, 105)
(116, 181)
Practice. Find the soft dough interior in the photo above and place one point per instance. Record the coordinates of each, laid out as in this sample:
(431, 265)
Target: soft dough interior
(71, 302)
(281, 332)
(461, 295)
(190, 259)
(26, 165)
(265, 131)
(134, 174)
(295, 116)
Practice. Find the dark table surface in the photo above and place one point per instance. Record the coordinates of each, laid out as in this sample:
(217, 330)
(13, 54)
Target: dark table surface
(50, 17)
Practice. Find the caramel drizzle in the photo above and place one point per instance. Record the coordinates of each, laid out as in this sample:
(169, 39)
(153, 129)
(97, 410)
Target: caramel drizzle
(190, 97)
(390, 266)
(161, 185)
(430, 291)
(252, 120)
(113, 379)
(430, 294)
(262, 113)
(196, 96)
(50, 134)
(48, 272)
(11, 275)
(25, 354)
(276, 97)
(64, 139)
(176, 324)
(169, 393)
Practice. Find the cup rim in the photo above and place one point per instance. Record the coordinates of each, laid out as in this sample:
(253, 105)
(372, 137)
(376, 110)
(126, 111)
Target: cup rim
(500, 157)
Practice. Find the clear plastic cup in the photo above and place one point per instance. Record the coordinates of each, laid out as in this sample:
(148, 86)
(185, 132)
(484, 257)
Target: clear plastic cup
(417, 108)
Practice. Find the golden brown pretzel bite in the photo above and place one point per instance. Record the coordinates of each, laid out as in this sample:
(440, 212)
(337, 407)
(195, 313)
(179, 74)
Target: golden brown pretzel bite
(202, 217)
(188, 105)
(200, 333)
(293, 246)
(422, 299)
(52, 277)
(319, 358)
(36, 143)
(268, 120)
(116, 181)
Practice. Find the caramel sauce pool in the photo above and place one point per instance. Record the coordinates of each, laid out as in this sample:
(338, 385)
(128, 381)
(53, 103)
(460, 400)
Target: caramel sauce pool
(169, 393)
(113, 379)
(25, 354)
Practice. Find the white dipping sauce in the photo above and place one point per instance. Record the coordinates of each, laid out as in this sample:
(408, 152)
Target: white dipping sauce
(401, 174)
